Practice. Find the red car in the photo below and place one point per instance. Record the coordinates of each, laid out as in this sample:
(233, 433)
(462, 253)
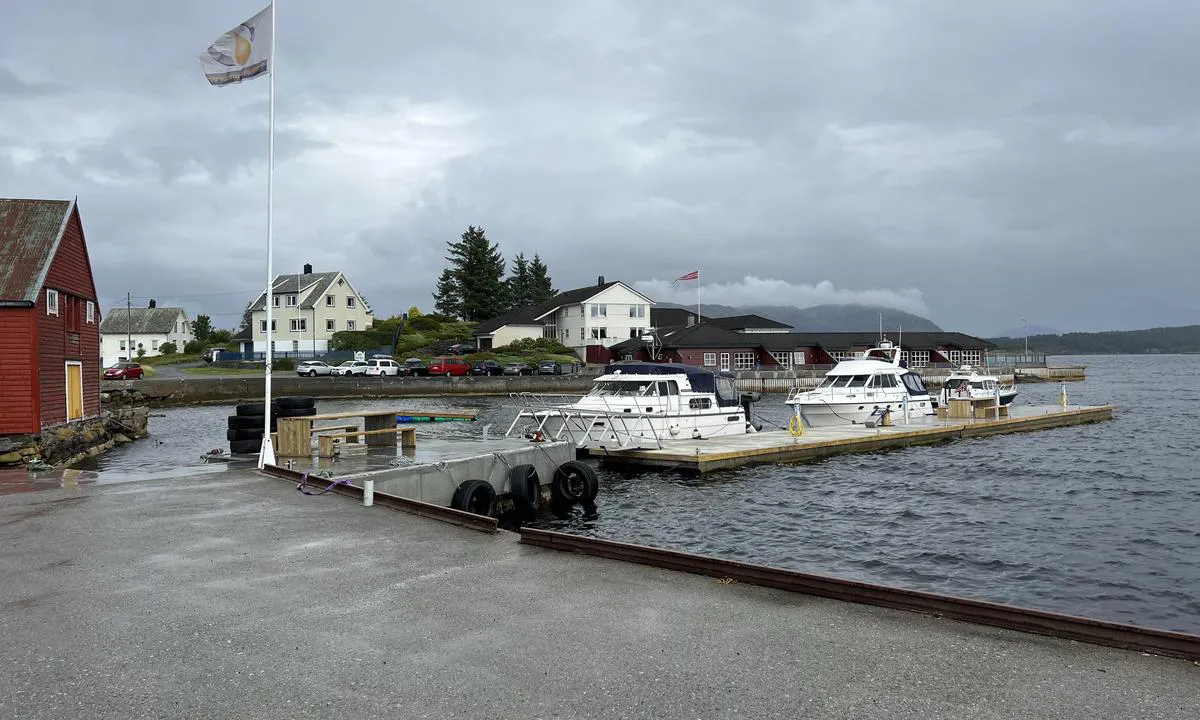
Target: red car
(124, 371)
(449, 366)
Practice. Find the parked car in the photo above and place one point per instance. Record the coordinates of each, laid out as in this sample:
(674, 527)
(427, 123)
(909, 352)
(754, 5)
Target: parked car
(517, 369)
(487, 367)
(448, 366)
(414, 367)
(124, 371)
(313, 368)
(383, 367)
(211, 354)
(350, 367)
(549, 367)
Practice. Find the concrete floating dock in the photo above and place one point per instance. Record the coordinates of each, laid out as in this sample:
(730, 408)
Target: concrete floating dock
(780, 446)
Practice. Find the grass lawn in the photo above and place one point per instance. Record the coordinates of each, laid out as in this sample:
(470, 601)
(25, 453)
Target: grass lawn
(171, 359)
(221, 371)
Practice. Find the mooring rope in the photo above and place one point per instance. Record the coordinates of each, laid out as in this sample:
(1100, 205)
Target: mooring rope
(304, 483)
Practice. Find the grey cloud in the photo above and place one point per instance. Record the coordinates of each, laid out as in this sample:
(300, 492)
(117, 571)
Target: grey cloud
(13, 86)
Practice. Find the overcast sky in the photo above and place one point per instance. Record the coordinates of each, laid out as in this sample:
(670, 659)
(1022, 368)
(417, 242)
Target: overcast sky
(973, 162)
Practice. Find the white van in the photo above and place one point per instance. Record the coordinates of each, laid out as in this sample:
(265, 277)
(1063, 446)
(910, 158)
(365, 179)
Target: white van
(383, 367)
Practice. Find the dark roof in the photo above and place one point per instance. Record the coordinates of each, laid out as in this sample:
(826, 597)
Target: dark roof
(839, 340)
(531, 314)
(741, 322)
(312, 285)
(30, 232)
(661, 317)
(140, 321)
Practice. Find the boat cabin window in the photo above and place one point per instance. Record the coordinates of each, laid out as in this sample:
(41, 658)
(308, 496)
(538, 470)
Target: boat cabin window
(727, 392)
(858, 381)
(634, 388)
(701, 403)
(884, 381)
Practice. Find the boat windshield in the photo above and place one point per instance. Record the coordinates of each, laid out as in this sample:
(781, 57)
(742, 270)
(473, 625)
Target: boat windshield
(914, 384)
(633, 388)
(844, 381)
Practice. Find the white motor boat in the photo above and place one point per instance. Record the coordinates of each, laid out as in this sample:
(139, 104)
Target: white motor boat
(641, 405)
(967, 382)
(862, 389)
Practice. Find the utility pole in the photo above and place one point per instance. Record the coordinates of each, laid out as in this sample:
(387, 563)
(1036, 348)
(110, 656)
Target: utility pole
(1025, 325)
(128, 327)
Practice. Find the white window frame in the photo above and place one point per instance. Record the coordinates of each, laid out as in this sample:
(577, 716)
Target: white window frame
(262, 325)
(350, 325)
(122, 346)
(743, 361)
(153, 344)
(330, 301)
(330, 325)
(600, 333)
(784, 359)
(274, 301)
(51, 302)
(350, 302)
(298, 325)
(91, 311)
(710, 359)
(725, 361)
(599, 310)
(292, 300)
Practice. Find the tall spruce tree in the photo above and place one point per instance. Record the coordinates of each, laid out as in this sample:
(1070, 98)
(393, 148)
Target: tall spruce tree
(518, 283)
(476, 272)
(447, 300)
(541, 288)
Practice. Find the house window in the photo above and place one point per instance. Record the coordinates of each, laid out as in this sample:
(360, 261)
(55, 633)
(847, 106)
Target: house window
(291, 301)
(350, 302)
(350, 323)
(330, 301)
(274, 301)
(153, 344)
(122, 346)
(262, 325)
(299, 325)
(637, 311)
(599, 333)
(783, 358)
(724, 361)
(51, 302)
(91, 311)
(743, 361)
(599, 311)
(331, 325)
(710, 359)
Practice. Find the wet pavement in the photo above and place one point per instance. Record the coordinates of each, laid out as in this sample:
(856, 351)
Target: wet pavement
(229, 594)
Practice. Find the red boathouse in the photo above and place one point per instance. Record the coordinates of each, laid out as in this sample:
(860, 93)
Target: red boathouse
(49, 318)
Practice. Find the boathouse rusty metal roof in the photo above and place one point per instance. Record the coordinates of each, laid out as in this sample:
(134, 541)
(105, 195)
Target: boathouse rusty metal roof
(30, 231)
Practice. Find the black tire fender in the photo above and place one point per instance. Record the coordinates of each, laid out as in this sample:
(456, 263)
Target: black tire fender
(475, 496)
(526, 489)
(239, 422)
(254, 408)
(294, 412)
(300, 402)
(254, 434)
(575, 482)
(245, 446)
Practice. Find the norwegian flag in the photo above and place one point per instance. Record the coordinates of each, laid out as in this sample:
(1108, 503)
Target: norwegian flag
(693, 275)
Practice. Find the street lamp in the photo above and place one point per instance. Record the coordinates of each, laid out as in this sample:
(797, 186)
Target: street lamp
(1025, 326)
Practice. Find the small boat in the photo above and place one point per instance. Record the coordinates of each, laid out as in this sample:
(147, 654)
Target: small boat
(864, 389)
(967, 382)
(640, 405)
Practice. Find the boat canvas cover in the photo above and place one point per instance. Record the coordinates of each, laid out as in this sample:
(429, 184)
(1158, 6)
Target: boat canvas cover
(701, 380)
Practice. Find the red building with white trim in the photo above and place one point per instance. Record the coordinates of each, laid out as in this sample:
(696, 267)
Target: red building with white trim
(49, 318)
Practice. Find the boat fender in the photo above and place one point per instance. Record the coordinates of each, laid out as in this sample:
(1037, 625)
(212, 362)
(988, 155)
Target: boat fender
(796, 426)
(526, 490)
(574, 482)
(475, 496)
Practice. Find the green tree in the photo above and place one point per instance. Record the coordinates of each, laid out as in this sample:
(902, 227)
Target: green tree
(167, 348)
(193, 347)
(476, 272)
(247, 319)
(414, 312)
(447, 300)
(541, 288)
(202, 328)
(220, 337)
(518, 284)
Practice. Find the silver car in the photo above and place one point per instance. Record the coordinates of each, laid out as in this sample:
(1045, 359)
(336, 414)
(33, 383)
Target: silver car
(350, 367)
(313, 368)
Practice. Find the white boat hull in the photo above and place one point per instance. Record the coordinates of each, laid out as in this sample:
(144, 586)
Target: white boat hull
(817, 414)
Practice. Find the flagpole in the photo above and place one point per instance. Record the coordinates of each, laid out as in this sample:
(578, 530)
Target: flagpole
(267, 455)
(697, 297)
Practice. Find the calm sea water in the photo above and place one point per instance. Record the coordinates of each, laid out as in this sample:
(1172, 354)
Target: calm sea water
(1101, 520)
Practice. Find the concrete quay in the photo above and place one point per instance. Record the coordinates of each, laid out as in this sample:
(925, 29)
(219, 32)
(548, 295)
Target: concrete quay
(235, 596)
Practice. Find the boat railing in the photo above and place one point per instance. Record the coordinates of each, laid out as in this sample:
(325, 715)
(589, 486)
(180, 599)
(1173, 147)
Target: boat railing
(578, 424)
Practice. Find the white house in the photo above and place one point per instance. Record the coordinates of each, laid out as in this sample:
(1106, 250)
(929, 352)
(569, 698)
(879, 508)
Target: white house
(307, 309)
(602, 314)
(125, 331)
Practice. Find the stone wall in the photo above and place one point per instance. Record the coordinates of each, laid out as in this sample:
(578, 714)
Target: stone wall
(124, 418)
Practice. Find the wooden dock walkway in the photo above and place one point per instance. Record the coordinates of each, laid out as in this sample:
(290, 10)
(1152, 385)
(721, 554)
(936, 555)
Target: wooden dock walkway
(777, 446)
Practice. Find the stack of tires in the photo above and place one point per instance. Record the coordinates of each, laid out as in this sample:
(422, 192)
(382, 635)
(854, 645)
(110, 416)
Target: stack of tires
(245, 431)
(574, 483)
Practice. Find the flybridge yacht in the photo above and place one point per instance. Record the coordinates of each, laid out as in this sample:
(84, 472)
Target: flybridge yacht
(967, 382)
(857, 390)
(640, 405)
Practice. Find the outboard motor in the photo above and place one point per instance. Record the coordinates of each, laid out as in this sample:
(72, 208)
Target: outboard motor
(748, 399)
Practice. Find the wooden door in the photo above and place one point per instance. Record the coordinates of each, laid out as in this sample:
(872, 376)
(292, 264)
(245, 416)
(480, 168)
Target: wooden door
(74, 391)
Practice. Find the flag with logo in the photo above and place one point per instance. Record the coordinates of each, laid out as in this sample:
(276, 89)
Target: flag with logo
(242, 53)
(693, 275)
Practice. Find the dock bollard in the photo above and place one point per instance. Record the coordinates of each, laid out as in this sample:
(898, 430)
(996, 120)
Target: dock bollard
(368, 493)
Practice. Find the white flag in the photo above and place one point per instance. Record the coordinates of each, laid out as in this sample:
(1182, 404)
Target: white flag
(242, 53)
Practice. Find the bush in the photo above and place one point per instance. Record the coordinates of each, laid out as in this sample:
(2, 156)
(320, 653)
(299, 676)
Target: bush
(424, 323)
(536, 345)
(167, 348)
(285, 364)
(408, 343)
(194, 347)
